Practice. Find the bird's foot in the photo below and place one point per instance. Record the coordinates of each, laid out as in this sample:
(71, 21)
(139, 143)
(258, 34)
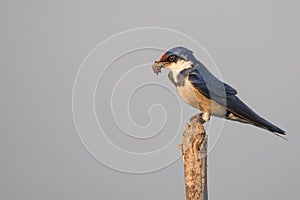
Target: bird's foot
(196, 117)
(201, 117)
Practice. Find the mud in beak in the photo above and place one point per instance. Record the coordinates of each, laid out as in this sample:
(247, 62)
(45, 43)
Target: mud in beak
(157, 67)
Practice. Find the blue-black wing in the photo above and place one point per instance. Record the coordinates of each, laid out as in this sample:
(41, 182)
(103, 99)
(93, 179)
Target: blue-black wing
(210, 86)
(214, 89)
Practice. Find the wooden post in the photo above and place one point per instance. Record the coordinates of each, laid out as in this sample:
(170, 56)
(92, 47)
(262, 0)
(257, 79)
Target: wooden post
(194, 153)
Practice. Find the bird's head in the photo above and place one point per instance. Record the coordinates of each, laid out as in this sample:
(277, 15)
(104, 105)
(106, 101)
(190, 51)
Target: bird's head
(175, 59)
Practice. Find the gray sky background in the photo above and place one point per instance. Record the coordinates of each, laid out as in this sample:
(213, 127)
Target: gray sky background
(255, 45)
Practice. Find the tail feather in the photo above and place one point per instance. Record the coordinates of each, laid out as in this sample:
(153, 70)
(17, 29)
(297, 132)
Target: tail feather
(239, 111)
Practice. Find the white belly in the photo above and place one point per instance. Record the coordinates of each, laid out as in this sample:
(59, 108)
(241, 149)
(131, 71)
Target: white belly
(199, 101)
(188, 95)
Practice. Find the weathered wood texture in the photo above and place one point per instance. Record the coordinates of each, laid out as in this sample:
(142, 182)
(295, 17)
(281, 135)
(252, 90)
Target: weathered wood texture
(194, 153)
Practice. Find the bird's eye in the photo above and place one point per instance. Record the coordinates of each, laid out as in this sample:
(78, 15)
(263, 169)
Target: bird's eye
(172, 58)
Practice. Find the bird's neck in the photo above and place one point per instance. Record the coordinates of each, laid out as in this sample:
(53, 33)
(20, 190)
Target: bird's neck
(179, 66)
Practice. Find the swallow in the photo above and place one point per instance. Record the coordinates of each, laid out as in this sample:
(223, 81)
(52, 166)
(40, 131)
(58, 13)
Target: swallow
(199, 88)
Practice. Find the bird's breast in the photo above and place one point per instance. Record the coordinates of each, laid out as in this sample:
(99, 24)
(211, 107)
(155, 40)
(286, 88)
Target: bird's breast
(194, 98)
(188, 95)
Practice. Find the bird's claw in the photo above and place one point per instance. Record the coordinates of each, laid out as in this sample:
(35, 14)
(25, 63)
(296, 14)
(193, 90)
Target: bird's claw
(199, 118)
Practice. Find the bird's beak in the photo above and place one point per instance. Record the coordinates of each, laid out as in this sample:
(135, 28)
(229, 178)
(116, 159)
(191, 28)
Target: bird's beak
(157, 66)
